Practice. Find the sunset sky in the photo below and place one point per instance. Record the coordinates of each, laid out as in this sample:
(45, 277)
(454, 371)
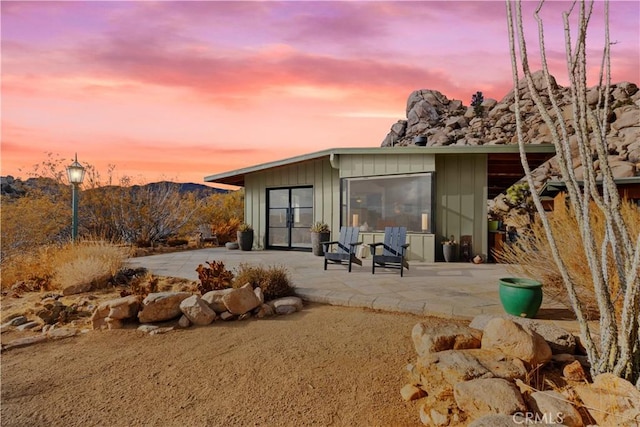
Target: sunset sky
(181, 90)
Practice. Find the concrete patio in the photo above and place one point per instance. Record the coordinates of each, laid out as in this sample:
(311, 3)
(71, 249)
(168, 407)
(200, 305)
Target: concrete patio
(461, 290)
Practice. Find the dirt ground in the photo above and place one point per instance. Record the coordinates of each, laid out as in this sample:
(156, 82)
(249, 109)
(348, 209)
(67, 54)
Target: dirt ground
(325, 366)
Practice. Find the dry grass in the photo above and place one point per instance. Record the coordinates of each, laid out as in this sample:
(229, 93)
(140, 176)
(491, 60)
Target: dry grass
(50, 267)
(532, 257)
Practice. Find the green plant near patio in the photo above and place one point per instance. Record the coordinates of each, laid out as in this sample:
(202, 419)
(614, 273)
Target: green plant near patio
(450, 241)
(214, 277)
(245, 227)
(320, 227)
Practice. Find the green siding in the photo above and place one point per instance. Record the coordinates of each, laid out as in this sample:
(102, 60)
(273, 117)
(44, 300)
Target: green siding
(461, 192)
(461, 199)
(352, 165)
(316, 173)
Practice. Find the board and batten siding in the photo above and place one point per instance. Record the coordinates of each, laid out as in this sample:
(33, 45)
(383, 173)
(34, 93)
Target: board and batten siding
(354, 165)
(461, 194)
(316, 173)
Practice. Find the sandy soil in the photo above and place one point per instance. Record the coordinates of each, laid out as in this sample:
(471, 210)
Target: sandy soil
(323, 366)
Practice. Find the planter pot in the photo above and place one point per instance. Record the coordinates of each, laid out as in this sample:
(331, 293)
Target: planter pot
(449, 252)
(316, 242)
(520, 297)
(494, 225)
(245, 240)
(420, 141)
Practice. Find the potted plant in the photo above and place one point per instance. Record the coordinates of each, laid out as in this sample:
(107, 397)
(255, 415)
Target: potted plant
(449, 249)
(245, 237)
(319, 233)
(520, 297)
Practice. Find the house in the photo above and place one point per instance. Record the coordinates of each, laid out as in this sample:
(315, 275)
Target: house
(435, 192)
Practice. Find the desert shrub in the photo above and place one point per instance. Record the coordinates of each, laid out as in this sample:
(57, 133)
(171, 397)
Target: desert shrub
(55, 266)
(223, 213)
(274, 281)
(33, 220)
(144, 286)
(214, 277)
(531, 255)
(177, 242)
(476, 102)
(87, 262)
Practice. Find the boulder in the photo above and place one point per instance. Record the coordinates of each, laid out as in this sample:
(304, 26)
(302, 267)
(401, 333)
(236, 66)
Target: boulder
(117, 309)
(184, 322)
(611, 401)
(488, 395)
(259, 293)
(428, 338)
(559, 340)
(554, 407)
(59, 333)
(464, 365)
(197, 310)
(50, 313)
(17, 321)
(516, 340)
(214, 299)
(265, 310)
(161, 306)
(241, 300)
(431, 416)
(286, 305)
(225, 315)
(411, 392)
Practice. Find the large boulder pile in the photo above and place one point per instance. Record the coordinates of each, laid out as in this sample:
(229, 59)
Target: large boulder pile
(488, 374)
(448, 122)
(190, 308)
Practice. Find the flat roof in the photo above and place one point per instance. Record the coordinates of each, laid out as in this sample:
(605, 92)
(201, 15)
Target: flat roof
(551, 188)
(236, 177)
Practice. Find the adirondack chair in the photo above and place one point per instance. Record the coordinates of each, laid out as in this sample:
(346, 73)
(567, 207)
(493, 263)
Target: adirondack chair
(345, 248)
(394, 250)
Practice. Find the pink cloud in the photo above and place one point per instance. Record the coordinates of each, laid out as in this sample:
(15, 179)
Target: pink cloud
(165, 86)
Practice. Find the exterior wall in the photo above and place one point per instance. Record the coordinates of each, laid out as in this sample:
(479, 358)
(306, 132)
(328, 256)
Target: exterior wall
(354, 165)
(460, 199)
(317, 173)
(461, 207)
(422, 246)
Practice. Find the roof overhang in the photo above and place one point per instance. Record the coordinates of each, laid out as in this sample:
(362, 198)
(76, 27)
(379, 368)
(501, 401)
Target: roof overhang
(552, 188)
(504, 167)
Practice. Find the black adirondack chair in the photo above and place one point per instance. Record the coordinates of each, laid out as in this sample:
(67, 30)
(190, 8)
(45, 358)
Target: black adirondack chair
(345, 248)
(394, 250)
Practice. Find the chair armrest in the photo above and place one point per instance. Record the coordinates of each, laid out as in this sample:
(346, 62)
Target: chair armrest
(373, 247)
(327, 244)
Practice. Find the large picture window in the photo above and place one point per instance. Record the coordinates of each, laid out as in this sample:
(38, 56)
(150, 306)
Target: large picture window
(374, 203)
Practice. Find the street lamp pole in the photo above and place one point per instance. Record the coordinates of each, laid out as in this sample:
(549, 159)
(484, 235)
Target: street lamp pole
(75, 171)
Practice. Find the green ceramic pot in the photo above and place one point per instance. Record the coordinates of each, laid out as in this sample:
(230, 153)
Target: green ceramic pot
(520, 297)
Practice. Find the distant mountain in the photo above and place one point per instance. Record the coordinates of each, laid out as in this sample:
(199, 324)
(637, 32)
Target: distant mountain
(10, 186)
(200, 190)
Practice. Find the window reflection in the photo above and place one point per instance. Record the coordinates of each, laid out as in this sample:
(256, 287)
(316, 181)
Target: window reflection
(392, 201)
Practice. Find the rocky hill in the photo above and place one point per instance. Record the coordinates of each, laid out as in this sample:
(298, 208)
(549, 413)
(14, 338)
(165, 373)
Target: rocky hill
(14, 187)
(448, 122)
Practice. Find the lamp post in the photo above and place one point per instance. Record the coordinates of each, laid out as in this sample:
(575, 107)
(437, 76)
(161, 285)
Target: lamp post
(75, 171)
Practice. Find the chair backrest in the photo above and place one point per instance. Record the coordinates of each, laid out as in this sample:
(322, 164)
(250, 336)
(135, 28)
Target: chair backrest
(347, 235)
(394, 238)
